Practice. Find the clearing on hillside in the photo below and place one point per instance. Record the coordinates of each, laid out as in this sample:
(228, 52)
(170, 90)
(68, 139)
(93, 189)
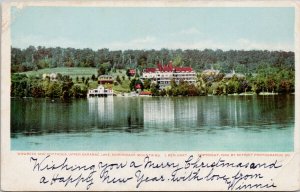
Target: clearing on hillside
(73, 72)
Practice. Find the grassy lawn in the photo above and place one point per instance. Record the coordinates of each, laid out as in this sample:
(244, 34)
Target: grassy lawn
(120, 72)
(73, 72)
(123, 87)
(80, 72)
(93, 84)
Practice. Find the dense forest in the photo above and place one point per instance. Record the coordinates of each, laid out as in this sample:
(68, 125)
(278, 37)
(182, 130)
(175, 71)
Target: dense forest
(263, 71)
(34, 58)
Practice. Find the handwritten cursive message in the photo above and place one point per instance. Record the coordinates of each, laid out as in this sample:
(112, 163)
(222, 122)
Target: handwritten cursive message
(147, 170)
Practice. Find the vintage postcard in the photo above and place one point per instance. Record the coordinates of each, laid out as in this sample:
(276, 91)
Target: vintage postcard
(150, 95)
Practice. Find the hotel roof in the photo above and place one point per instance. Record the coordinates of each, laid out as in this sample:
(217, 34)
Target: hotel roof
(168, 68)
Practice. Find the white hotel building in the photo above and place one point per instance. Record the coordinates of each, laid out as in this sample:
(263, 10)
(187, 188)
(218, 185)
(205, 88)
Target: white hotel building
(164, 74)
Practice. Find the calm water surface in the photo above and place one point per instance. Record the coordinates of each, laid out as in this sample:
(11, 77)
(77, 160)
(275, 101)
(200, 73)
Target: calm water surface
(216, 123)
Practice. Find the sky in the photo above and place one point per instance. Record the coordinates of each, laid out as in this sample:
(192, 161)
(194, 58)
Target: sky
(154, 28)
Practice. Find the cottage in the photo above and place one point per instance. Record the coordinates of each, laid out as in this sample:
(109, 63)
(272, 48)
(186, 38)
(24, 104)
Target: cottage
(232, 74)
(132, 72)
(211, 72)
(45, 75)
(104, 79)
(52, 76)
(145, 93)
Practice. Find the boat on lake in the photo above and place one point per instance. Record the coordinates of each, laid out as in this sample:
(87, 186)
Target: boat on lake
(100, 92)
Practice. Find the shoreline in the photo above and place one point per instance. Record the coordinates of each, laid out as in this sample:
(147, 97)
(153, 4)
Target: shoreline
(148, 96)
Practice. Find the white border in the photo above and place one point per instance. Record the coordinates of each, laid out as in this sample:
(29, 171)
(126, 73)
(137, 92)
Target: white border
(9, 158)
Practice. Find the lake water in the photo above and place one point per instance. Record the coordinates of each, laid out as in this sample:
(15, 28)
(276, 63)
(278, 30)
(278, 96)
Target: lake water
(207, 123)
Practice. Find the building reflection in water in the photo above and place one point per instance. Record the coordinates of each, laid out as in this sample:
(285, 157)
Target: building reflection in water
(170, 114)
(101, 111)
(159, 113)
(129, 112)
(225, 112)
(208, 112)
(182, 113)
(186, 115)
(116, 114)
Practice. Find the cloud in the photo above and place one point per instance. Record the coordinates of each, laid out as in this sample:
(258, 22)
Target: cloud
(151, 42)
(202, 44)
(139, 43)
(249, 45)
(240, 44)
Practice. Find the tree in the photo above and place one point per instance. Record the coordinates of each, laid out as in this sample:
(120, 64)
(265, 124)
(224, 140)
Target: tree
(93, 77)
(37, 90)
(258, 84)
(19, 85)
(285, 86)
(76, 91)
(67, 85)
(173, 84)
(244, 86)
(132, 84)
(169, 91)
(163, 93)
(147, 83)
(136, 84)
(87, 81)
(182, 88)
(59, 76)
(118, 79)
(33, 58)
(142, 60)
(154, 89)
(192, 90)
(178, 61)
(231, 87)
(79, 91)
(101, 71)
(265, 70)
(53, 90)
(270, 84)
(201, 86)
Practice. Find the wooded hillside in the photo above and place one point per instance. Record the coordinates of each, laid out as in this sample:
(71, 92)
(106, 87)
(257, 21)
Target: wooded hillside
(33, 58)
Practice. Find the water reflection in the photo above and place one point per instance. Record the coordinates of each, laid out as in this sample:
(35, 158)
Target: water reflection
(186, 115)
(159, 113)
(111, 114)
(101, 111)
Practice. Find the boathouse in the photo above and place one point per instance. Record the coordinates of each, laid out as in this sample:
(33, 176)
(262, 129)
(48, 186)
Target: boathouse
(100, 92)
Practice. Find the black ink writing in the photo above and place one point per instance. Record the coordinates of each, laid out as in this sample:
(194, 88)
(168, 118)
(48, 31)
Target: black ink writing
(149, 171)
